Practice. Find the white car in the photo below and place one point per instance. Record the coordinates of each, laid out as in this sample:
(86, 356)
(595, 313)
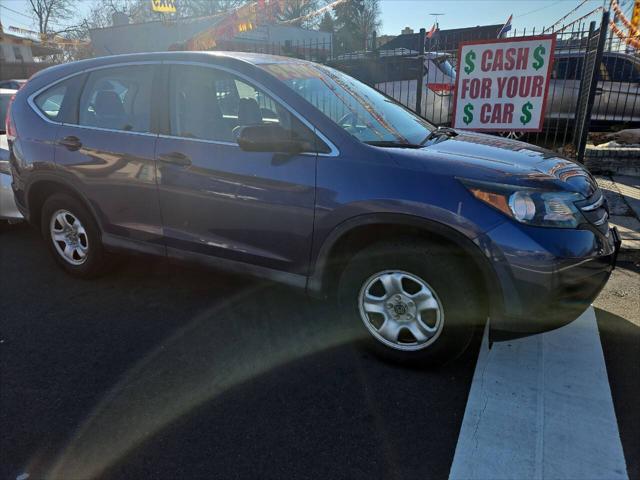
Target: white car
(8, 209)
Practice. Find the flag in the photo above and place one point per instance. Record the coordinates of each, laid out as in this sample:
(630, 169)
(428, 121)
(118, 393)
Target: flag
(432, 31)
(635, 15)
(505, 28)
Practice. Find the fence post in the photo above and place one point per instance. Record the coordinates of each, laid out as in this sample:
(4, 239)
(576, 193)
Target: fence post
(422, 37)
(583, 123)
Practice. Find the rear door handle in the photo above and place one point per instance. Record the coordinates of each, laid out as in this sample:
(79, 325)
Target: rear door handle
(71, 143)
(175, 158)
(599, 91)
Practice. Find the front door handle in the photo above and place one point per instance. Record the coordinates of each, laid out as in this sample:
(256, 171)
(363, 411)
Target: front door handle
(71, 143)
(175, 158)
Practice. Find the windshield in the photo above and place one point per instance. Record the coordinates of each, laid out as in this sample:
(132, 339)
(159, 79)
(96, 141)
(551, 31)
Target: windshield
(362, 111)
(445, 66)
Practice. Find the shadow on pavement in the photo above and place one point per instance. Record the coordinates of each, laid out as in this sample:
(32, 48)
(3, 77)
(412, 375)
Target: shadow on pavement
(163, 372)
(621, 346)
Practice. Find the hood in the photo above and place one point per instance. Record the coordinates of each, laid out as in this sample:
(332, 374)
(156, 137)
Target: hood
(500, 160)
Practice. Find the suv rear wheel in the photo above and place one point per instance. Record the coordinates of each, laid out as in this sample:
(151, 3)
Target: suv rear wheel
(72, 236)
(413, 298)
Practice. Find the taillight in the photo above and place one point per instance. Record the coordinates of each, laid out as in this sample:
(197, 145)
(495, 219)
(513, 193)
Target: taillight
(441, 88)
(8, 123)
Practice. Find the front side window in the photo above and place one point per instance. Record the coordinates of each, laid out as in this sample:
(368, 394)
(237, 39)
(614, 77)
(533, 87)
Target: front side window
(361, 110)
(209, 104)
(118, 99)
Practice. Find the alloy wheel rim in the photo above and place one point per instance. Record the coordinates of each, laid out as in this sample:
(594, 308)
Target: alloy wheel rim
(401, 310)
(69, 237)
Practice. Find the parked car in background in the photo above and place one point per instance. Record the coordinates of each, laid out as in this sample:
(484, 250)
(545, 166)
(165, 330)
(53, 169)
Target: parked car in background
(8, 210)
(13, 84)
(617, 96)
(298, 173)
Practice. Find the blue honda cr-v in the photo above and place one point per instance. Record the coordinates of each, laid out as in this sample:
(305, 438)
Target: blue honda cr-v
(295, 172)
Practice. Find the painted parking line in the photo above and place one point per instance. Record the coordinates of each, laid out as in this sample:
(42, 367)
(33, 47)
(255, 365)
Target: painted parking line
(541, 408)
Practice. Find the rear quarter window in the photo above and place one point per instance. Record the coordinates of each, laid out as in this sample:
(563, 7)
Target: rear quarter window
(50, 101)
(59, 102)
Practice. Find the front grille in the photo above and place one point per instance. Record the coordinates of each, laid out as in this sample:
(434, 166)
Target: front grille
(596, 211)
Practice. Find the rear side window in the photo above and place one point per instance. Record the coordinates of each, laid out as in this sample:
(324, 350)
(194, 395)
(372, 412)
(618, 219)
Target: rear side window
(118, 99)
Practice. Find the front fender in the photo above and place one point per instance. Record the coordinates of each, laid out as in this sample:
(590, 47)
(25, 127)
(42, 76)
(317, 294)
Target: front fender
(469, 239)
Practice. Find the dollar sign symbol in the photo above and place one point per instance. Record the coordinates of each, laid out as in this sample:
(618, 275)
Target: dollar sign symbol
(538, 61)
(468, 116)
(468, 59)
(526, 113)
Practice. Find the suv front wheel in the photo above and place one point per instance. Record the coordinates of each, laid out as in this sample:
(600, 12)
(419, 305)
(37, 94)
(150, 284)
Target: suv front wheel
(72, 236)
(414, 300)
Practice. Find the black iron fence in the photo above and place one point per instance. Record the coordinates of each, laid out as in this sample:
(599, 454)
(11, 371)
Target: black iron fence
(595, 81)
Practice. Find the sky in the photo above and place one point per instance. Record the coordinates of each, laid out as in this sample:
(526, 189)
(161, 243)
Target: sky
(397, 14)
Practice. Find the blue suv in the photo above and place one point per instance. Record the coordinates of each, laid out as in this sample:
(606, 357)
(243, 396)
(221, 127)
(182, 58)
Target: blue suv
(298, 173)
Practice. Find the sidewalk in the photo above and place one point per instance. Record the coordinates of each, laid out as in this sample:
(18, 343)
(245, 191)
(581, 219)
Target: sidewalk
(623, 195)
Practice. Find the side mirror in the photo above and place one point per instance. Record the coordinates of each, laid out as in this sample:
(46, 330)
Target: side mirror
(269, 138)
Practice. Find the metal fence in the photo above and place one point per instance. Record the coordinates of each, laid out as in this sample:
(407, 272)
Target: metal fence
(595, 81)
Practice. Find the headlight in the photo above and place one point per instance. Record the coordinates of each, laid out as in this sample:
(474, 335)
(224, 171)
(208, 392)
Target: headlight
(532, 206)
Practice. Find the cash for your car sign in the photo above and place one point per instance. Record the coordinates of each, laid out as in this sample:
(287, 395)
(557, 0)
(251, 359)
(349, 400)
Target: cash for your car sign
(502, 84)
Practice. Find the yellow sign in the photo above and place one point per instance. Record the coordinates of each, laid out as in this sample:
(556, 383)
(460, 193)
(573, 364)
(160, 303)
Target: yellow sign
(164, 6)
(635, 16)
(245, 27)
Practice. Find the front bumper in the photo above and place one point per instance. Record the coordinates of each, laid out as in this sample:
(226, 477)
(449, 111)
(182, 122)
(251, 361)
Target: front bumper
(547, 276)
(8, 209)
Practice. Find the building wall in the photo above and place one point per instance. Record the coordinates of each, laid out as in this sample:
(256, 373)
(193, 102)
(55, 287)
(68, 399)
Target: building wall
(12, 51)
(280, 34)
(146, 37)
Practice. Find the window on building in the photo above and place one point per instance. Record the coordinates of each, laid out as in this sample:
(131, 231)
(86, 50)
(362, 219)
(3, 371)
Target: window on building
(17, 53)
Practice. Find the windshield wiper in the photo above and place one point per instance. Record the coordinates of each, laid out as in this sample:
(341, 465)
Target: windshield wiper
(441, 132)
(391, 143)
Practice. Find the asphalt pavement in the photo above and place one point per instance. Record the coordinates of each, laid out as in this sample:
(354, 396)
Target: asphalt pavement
(160, 371)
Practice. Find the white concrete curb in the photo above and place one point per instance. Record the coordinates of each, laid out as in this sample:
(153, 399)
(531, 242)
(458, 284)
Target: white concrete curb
(541, 408)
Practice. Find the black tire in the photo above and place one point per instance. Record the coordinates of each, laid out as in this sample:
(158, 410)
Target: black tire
(443, 269)
(95, 261)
